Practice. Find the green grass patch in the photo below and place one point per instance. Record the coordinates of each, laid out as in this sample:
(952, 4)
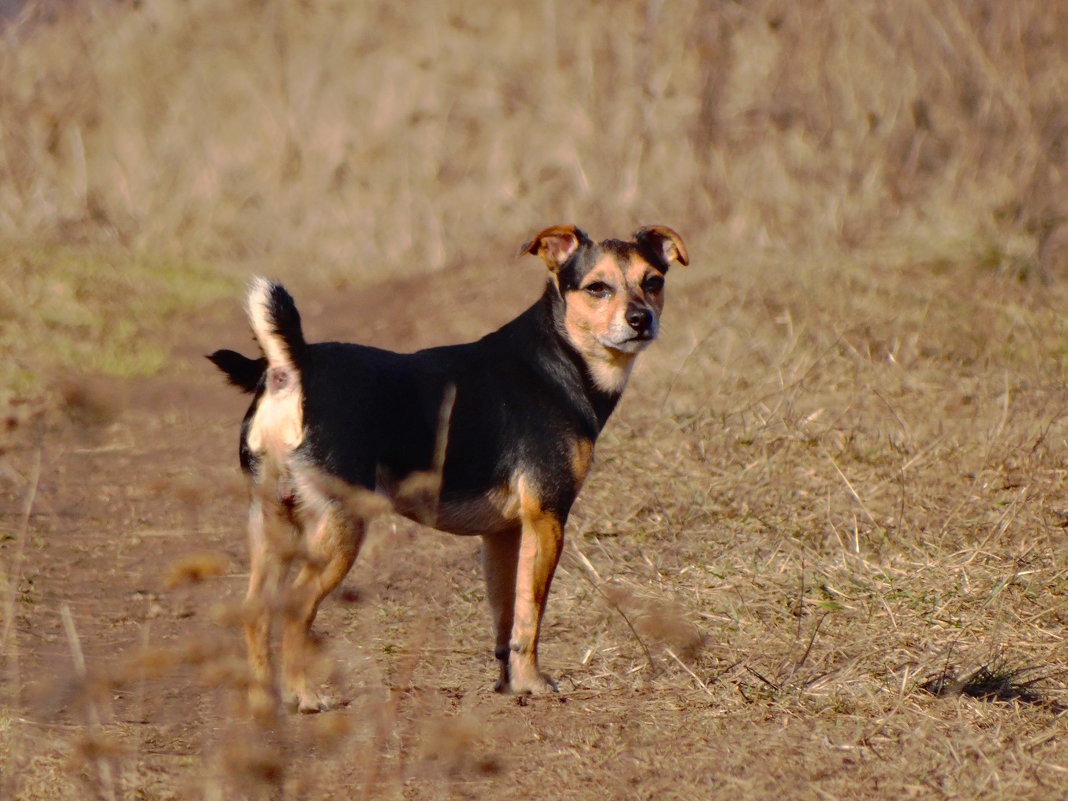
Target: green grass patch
(91, 310)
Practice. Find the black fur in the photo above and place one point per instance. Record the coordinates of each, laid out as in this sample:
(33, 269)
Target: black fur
(241, 371)
(502, 429)
(285, 321)
(523, 397)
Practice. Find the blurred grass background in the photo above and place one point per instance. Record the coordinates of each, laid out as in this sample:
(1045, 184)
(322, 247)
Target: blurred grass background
(370, 138)
(354, 141)
(843, 466)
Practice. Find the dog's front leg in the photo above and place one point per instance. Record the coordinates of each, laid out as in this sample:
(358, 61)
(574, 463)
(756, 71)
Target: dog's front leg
(540, 543)
(500, 558)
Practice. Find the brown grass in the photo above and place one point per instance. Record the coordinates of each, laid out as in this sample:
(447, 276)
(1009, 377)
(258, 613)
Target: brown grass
(401, 138)
(822, 551)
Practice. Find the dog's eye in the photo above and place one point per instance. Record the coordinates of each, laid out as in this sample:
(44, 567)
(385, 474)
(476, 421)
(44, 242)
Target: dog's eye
(599, 289)
(654, 283)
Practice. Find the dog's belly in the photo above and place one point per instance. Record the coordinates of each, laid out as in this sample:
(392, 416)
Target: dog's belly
(489, 513)
(420, 496)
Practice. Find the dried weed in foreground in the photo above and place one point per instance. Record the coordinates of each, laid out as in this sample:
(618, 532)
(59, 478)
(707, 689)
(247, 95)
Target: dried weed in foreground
(88, 403)
(195, 568)
(455, 744)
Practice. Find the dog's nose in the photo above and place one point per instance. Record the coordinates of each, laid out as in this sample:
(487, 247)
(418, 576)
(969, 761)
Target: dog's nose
(639, 318)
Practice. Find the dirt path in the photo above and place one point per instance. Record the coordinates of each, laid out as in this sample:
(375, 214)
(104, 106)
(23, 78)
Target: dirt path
(136, 493)
(138, 475)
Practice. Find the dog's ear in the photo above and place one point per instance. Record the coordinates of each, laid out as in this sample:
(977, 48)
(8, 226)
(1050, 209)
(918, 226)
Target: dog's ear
(241, 371)
(555, 245)
(664, 241)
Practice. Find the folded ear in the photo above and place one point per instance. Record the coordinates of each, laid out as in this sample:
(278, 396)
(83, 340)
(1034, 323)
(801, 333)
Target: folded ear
(664, 241)
(555, 245)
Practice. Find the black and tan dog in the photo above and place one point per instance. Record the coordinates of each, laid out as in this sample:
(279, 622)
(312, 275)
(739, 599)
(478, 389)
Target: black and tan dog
(498, 435)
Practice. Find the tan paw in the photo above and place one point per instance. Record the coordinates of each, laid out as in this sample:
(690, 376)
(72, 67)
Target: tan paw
(310, 703)
(262, 702)
(528, 682)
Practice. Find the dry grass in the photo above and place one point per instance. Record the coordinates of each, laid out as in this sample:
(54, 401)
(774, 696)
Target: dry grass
(822, 553)
(399, 138)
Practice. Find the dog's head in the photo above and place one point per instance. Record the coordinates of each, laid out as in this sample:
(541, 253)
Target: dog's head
(612, 291)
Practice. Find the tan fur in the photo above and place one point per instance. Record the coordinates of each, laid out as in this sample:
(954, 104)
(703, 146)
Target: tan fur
(581, 459)
(669, 243)
(554, 245)
(333, 542)
(319, 538)
(271, 544)
(500, 556)
(540, 543)
(277, 427)
(597, 326)
(495, 511)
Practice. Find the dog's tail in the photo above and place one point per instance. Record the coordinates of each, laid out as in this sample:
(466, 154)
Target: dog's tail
(275, 426)
(276, 323)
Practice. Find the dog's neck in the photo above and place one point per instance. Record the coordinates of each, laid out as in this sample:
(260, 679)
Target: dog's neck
(602, 401)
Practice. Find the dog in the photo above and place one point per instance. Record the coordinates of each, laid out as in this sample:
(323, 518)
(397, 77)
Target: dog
(494, 438)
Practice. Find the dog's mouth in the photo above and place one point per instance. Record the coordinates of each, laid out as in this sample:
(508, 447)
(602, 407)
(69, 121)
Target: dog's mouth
(631, 344)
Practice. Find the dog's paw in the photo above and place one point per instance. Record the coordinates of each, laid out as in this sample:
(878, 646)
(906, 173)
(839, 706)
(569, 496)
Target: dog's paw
(312, 706)
(532, 683)
(262, 702)
(311, 703)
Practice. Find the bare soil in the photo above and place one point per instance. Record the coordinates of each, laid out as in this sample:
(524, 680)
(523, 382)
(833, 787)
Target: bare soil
(135, 525)
(708, 643)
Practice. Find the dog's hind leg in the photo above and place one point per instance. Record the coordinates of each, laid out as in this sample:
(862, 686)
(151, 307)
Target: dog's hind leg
(500, 558)
(333, 540)
(271, 537)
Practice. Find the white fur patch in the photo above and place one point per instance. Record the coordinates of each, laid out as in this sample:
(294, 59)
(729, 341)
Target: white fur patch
(257, 304)
(610, 375)
(278, 425)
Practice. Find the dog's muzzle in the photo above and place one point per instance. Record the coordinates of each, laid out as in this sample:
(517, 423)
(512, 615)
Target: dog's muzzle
(640, 319)
(640, 329)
